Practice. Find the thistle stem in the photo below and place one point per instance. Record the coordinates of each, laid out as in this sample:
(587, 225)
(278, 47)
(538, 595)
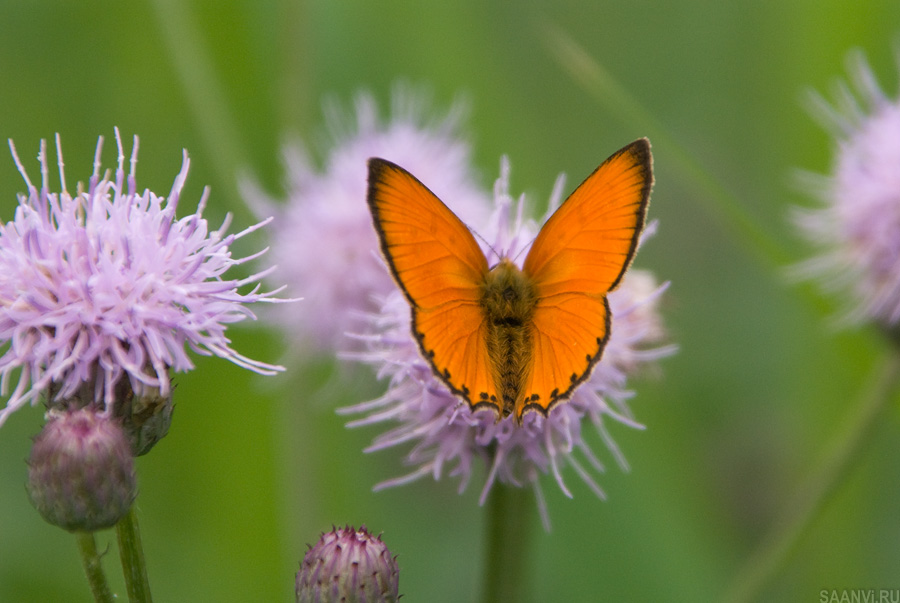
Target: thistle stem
(93, 568)
(845, 450)
(721, 202)
(202, 88)
(131, 552)
(507, 553)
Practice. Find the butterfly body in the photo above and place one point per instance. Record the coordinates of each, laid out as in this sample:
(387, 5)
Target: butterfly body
(508, 339)
(508, 299)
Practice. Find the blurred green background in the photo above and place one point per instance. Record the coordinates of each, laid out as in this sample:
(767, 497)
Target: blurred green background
(254, 469)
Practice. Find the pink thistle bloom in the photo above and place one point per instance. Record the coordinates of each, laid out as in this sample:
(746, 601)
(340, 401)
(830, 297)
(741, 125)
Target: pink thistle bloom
(323, 238)
(858, 227)
(108, 284)
(447, 436)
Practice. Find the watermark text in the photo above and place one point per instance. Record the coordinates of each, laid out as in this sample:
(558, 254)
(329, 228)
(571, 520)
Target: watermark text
(859, 595)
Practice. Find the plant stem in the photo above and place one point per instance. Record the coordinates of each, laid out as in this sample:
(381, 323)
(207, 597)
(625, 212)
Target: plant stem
(763, 565)
(507, 564)
(600, 83)
(203, 90)
(93, 568)
(131, 552)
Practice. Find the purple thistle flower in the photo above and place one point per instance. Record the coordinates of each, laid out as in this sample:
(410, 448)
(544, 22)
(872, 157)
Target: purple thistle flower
(323, 238)
(447, 436)
(108, 284)
(858, 227)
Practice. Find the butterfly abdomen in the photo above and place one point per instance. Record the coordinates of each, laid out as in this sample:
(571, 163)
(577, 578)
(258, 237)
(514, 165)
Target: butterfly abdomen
(508, 300)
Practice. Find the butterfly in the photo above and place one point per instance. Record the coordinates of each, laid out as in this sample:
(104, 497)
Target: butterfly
(503, 338)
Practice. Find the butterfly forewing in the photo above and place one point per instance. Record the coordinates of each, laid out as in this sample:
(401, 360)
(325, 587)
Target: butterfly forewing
(580, 255)
(588, 243)
(439, 266)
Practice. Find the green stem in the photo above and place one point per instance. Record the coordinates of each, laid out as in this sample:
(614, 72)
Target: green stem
(203, 90)
(131, 552)
(598, 82)
(507, 559)
(295, 49)
(93, 568)
(847, 448)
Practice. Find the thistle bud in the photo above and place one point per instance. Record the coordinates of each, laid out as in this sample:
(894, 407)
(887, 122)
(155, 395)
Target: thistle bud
(143, 413)
(348, 566)
(81, 473)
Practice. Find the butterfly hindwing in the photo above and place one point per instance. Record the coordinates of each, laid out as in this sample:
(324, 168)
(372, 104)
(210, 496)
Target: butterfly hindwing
(453, 338)
(570, 332)
(437, 263)
(581, 254)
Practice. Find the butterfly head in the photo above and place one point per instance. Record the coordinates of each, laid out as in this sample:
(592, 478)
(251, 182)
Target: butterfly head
(507, 296)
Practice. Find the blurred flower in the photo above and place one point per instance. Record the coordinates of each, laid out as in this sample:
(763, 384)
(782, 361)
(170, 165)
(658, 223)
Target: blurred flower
(81, 472)
(444, 431)
(348, 566)
(109, 287)
(323, 237)
(858, 228)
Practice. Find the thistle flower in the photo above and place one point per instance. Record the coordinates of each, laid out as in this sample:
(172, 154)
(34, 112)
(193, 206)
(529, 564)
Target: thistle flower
(348, 566)
(446, 436)
(323, 238)
(103, 291)
(858, 226)
(81, 472)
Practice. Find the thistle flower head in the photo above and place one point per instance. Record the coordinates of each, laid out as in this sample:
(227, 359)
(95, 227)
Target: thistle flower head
(109, 285)
(448, 437)
(323, 238)
(348, 565)
(858, 226)
(81, 473)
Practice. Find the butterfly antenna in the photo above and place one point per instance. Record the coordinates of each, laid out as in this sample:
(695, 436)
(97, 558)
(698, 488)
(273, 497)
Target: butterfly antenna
(478, 236)
(524, 249)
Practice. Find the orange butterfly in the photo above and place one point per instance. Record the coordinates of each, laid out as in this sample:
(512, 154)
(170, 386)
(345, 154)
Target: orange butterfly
(499, 337)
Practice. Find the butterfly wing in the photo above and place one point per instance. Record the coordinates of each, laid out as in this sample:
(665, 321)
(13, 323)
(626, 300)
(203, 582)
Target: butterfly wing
(580, 255)
(437, 263)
